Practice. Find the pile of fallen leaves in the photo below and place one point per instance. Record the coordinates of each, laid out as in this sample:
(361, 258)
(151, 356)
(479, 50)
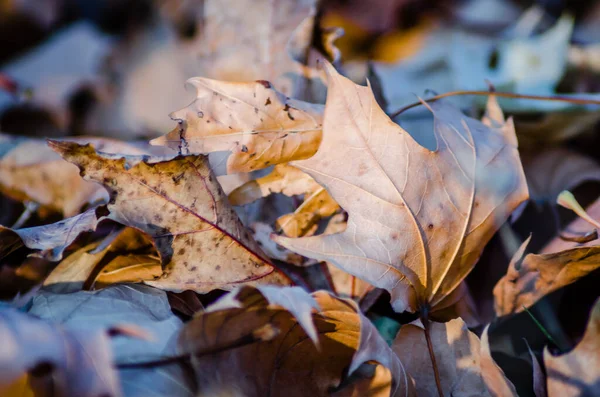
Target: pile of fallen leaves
(293, 234)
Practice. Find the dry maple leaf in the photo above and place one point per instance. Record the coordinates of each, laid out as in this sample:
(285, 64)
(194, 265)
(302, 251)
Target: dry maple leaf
(257, 124)
(418, 219)
(317, 203)
(290, 364)
(576, 372)
(463, 361)
(201, 241)
(530, 278)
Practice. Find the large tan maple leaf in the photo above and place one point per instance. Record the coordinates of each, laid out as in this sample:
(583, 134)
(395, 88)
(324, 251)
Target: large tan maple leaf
(418, 219)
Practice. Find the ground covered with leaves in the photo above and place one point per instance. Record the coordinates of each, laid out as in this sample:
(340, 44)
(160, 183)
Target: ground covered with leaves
(386, 198)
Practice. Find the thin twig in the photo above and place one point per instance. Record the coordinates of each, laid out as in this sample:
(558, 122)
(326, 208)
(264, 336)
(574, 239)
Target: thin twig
(552, 98)
(436, 372)
(261, 334)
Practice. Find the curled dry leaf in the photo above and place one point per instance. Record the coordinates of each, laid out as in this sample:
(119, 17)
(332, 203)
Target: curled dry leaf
(80, 362)
(259, 125)
(290, 364)
(464, 363)
(579, 227)
(125, 256)
(576, 372)
(52, 240)
(180, 205)
(528, 279)
(418, 219)
(317, 204)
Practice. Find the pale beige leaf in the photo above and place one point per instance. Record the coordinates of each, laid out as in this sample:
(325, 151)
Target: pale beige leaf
(51, 240)
(290, 364)
(179, 204)
(257, 124)
(535, 276)
(576, 372)
(463, 369)
(418, 219)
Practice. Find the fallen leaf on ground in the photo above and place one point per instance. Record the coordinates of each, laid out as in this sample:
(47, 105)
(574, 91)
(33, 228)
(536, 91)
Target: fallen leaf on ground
(202, 244)
(142, 305)
(346, 339)
(530, 278)
(576, 372)
(126, 256)
(50, 239)
(257, 124)
(72, 362)
(464, 363)
(317, 203)
(418, 219)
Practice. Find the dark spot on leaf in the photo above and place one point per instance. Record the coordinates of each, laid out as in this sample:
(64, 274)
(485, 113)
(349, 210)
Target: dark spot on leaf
(244, 148)
(430, 226)
(264, 83)
(181, 251)
(200, 114)
(193, 268)
(268, 101)
(218, 267)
